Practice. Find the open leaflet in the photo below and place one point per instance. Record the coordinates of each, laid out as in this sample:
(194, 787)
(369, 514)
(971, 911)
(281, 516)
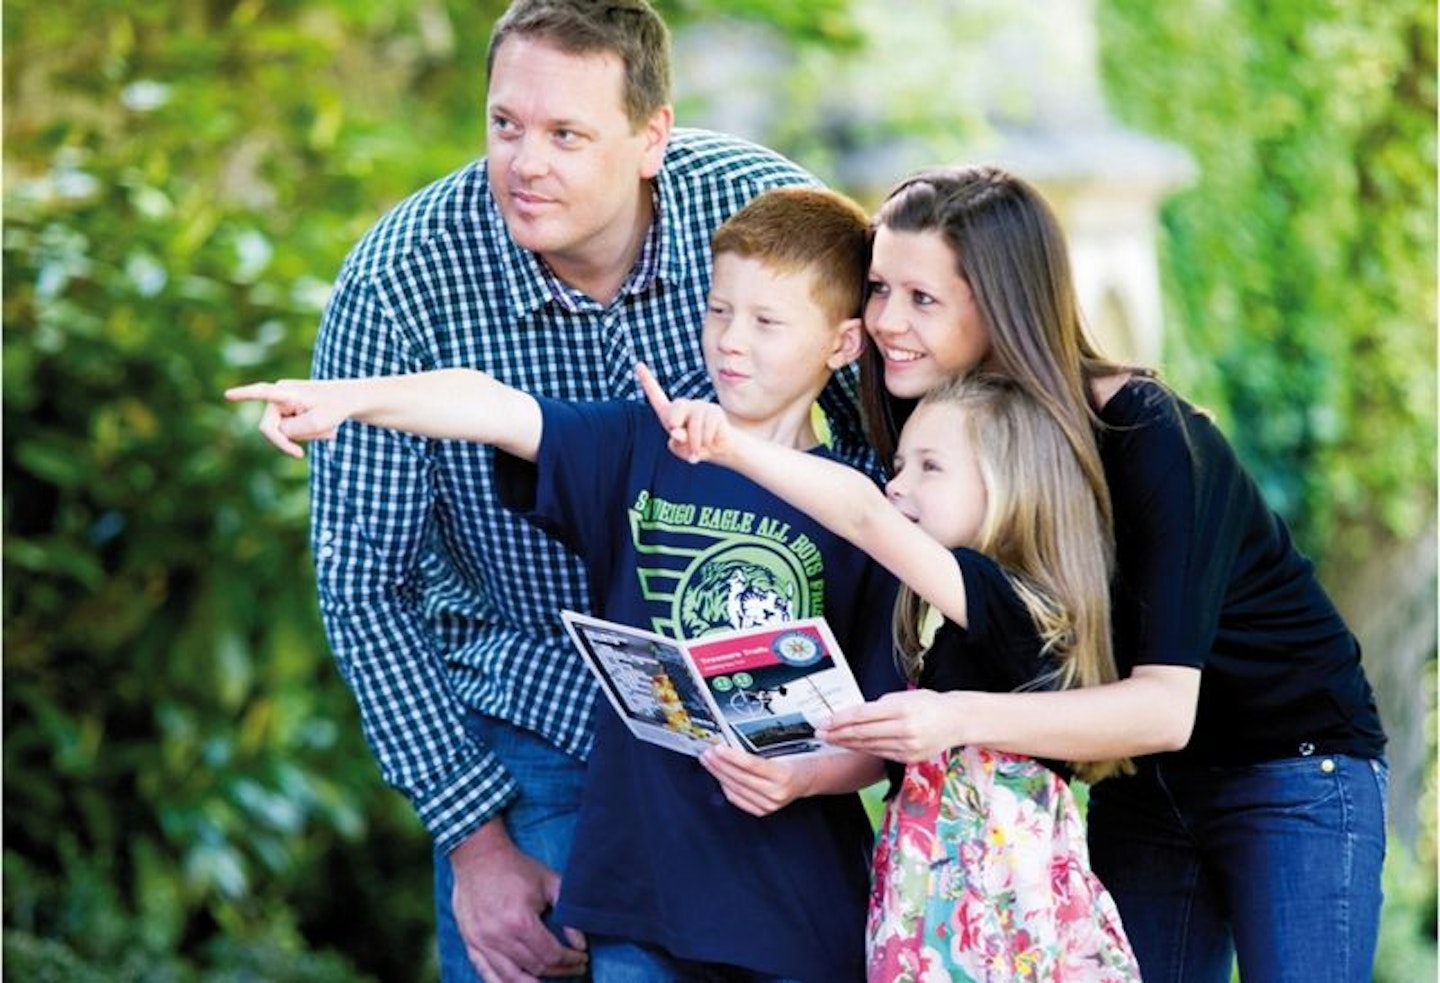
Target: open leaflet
(760, 689)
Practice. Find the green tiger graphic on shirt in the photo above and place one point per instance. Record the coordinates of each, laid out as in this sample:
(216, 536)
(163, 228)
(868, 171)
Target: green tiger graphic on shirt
(718, 569)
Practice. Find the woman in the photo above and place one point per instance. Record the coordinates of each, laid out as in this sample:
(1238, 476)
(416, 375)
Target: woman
(1254, 826)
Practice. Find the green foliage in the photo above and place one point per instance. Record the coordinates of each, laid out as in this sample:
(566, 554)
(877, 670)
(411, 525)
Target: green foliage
(180, 758)
(826, 23)
(36, 960)
(1302, 264)
(1407, 949)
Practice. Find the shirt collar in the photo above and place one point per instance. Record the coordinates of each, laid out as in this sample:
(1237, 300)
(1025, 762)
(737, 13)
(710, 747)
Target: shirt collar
(641, 275)
(532, 284)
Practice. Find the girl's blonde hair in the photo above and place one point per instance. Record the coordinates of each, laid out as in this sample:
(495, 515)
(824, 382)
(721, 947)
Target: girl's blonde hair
(1045, 528)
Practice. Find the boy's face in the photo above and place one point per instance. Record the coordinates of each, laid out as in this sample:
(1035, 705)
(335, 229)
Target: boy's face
(768, 347)
(566, 166)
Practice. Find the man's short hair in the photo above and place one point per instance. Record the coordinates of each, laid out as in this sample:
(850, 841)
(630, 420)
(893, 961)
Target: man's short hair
(629, 29)
(813, 230)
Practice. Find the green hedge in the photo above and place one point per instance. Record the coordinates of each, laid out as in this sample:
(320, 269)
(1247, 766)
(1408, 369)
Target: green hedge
(1301, 267)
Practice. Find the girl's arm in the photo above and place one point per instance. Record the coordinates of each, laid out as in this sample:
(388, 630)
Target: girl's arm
(839, 498)
(1152, 710)
(447, 404)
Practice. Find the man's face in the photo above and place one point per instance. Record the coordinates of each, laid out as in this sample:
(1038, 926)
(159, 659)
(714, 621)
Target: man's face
(565, 164)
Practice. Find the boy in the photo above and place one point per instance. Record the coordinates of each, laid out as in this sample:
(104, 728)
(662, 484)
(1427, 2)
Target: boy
(666, 874)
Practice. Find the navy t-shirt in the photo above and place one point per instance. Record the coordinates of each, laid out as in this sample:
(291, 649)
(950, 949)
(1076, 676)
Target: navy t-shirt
(1207, 576)
(999, 650)
(659, 855)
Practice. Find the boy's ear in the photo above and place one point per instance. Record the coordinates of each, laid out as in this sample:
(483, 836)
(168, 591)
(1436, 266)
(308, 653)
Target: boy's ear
(849, 343)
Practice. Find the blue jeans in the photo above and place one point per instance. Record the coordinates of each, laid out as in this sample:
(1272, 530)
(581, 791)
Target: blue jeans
(1277, 863)
(615, 960)
(541, 822)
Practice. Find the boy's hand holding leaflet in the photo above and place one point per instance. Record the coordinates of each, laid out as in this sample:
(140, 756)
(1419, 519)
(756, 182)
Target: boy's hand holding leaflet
(758, 785)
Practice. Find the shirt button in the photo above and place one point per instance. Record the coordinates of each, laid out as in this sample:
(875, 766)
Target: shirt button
(1307, 749)
(327, 552)
(1328, 765)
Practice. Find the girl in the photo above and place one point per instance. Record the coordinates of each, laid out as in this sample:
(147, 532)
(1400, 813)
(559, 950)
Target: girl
(1255, 823)
(981, 869)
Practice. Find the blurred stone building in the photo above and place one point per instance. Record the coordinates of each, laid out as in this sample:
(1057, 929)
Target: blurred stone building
(1020, 85)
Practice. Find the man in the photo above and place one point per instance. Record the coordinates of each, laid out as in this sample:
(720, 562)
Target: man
(579, 246)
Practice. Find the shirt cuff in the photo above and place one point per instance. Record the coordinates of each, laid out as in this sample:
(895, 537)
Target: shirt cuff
(465, 800)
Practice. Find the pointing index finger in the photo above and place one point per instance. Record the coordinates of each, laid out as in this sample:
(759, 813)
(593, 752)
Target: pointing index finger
(659, 402)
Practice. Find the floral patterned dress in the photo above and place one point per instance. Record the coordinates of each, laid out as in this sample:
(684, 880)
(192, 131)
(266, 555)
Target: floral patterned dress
(982, 874)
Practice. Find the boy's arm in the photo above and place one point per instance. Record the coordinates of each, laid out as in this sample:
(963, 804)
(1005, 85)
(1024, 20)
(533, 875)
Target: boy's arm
(840, 498)
(761, 786)
(447, 404)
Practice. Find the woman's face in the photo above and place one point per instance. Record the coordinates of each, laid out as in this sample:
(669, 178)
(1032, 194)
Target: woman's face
(921, 312)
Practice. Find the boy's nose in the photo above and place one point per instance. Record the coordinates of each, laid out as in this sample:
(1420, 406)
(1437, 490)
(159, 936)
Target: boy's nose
(732, 339)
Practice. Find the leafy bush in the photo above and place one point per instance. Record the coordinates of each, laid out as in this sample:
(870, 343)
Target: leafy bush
(1300, 268)
(35, 960)
(180, 757)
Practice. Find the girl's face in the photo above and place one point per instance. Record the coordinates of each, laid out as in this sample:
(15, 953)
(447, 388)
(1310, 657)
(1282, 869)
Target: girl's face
(921, 312)
(937, 481)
